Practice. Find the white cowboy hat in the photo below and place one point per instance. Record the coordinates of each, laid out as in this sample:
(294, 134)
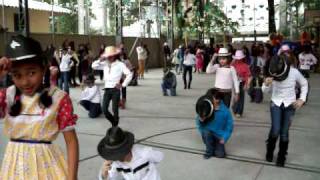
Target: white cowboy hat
(239, 55)
(223, 52)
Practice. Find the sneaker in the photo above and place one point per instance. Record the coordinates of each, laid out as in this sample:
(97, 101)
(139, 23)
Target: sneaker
(238, 116)
(207, 156)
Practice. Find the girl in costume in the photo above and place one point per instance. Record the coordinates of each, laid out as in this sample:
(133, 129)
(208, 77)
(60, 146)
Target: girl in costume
(33, 117)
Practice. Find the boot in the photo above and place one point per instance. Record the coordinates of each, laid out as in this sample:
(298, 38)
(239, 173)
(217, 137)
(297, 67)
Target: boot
(120, 103)
(271, 144)
(123, 103)
(283, 147)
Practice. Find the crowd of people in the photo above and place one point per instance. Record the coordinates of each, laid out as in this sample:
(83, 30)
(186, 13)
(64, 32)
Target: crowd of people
(44, 98)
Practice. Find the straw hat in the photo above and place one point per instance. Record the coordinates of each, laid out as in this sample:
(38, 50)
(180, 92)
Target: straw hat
(110, 51)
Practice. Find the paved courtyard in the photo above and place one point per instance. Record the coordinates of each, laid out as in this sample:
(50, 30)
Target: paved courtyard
(167, 124)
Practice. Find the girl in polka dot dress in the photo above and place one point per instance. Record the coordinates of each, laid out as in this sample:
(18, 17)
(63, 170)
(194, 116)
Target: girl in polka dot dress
(33, 117)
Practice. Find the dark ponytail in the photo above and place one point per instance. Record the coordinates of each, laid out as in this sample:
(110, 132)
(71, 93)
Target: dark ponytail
(45, 101)
(16, 107)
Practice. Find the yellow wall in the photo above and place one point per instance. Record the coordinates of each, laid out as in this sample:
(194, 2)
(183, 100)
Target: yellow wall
(39, 20)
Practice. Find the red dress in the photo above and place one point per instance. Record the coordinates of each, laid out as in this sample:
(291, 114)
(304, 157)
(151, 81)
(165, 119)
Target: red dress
(199, 61)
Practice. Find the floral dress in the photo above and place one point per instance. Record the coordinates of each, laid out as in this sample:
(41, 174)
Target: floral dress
(24, 159)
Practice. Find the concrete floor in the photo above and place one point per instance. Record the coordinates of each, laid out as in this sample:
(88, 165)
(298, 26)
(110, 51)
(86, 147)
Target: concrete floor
(167, 124)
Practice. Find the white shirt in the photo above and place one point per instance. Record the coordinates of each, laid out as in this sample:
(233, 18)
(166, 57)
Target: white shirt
(142, 53)
(144, 157)
(284, 91)
(189, 59)
(66, 63)
(91, 94)
(226, 78)
(113, 72)
(306, 60)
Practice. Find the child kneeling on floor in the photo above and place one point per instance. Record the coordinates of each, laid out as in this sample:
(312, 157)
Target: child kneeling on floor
(125, 160)
(91, 97)
(214, 122)
(169, 82)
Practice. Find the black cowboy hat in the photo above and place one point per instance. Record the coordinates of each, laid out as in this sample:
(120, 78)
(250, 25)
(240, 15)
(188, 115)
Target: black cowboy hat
(24, 48)
(90, 78)
(116, 144)
(279, 67)
(205, 109)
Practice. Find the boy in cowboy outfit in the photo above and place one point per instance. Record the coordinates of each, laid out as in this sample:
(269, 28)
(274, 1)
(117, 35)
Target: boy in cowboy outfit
(113, 69)
(91, 97)
(124, 160)
(282, 82)
(169, 82)
(214, 122)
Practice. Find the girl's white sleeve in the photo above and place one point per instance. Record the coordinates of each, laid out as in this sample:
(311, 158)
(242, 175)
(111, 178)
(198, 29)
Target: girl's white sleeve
(212, 68)
(235, 79)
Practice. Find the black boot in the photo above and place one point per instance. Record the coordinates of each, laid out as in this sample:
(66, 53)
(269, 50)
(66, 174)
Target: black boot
(283, 147)
(271, 144)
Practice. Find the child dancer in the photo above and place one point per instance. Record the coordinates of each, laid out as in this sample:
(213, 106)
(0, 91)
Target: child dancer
(33, 118)
(113, 70)
(124, 160)
(283, 103)
(91, 97)
(214, 122)
(244, 75)
(226, 76)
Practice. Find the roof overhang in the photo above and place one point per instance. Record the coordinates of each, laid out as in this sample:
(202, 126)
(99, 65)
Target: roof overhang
(36, 5)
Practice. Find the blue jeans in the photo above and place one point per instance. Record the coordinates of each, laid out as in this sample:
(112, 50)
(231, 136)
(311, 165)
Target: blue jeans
(213, 146)
(64, 81)
(93, 108)
(281, 118)
(171, 89)
(239, 105)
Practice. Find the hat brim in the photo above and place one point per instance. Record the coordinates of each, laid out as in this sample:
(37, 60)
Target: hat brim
(238, 57)
(116, 154)
(107, 55)
(223, 54)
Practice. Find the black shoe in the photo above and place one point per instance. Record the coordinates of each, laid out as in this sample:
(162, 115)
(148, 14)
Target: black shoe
(271, 144)
(283, 147)
(207, 156)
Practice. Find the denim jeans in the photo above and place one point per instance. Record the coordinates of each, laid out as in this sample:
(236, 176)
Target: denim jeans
(64, 81)
(187, 69)
(213, 146)
(239, 105)
(93, 108)
(281, 118)
(171, 89)
(114, 95)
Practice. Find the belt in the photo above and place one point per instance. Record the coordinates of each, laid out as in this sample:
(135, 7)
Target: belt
(224, 90)
(30, 141)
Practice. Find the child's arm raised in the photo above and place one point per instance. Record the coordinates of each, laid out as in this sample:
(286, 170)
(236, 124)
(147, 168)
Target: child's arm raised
(5, 65)
(72, 144)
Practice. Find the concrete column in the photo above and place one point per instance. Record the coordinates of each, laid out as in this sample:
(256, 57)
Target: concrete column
(81, 16)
